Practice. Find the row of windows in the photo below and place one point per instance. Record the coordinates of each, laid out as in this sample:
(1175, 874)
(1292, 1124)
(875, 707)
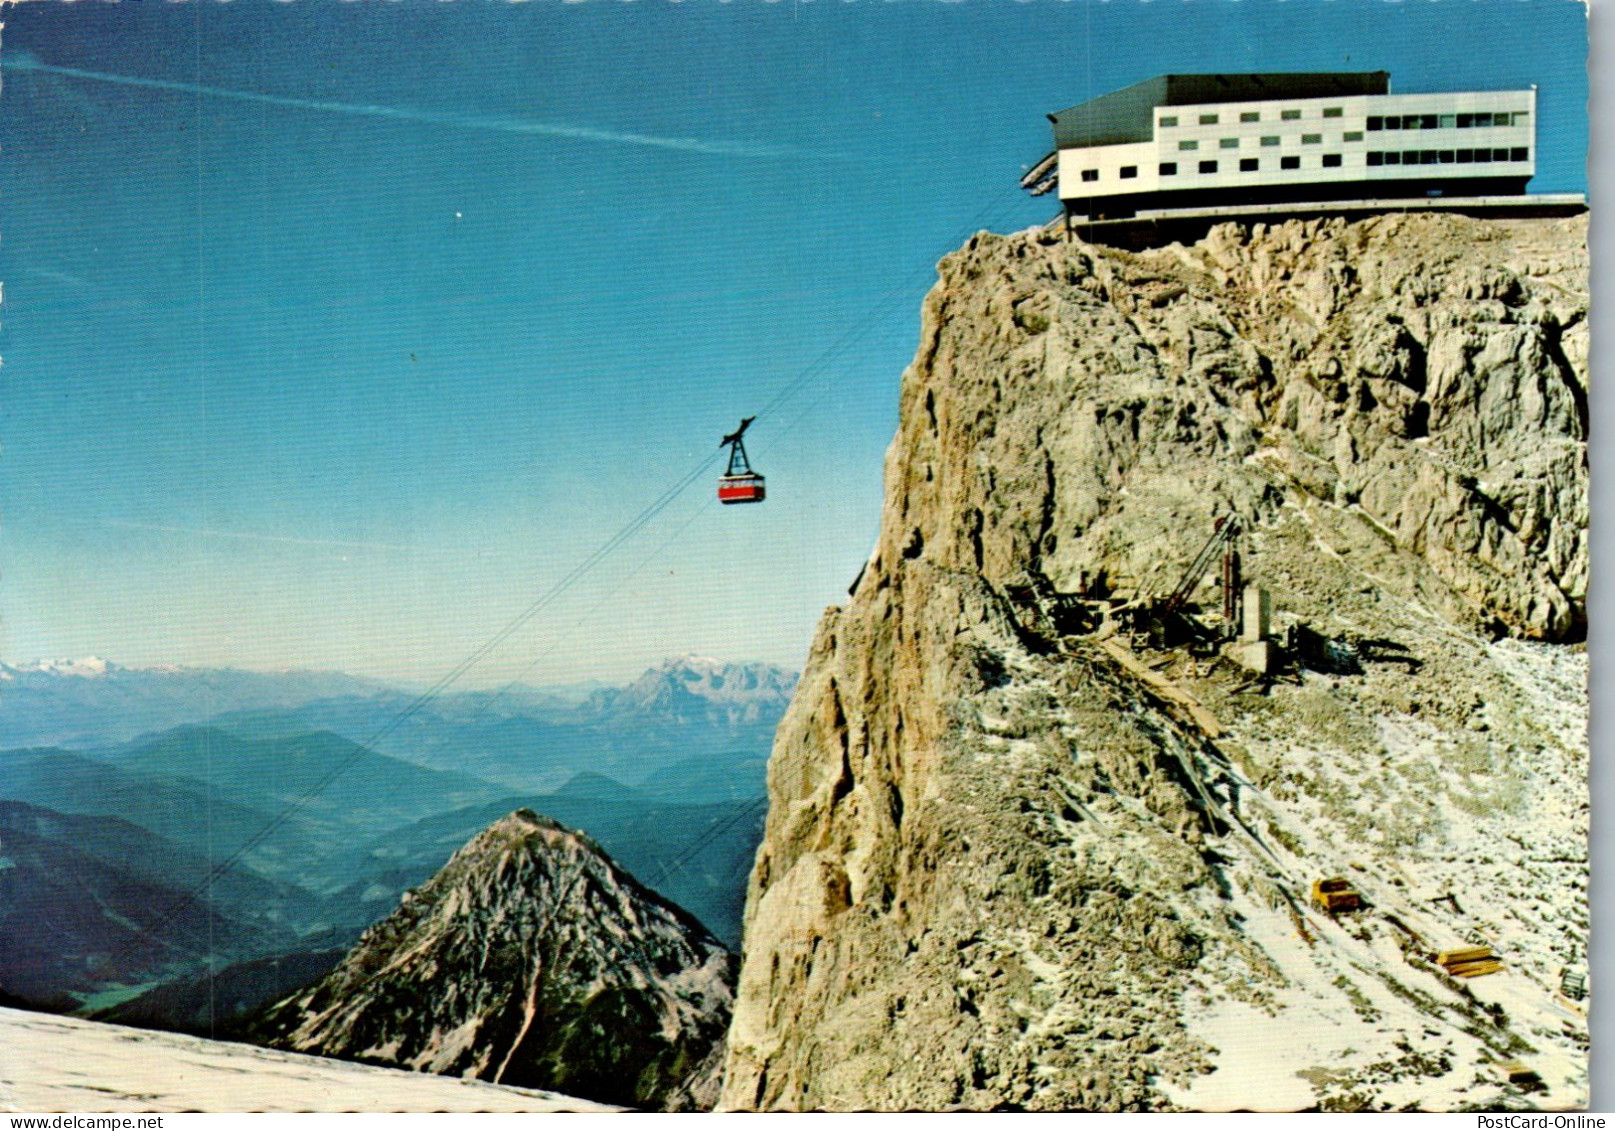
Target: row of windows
(1448, 156)
(1170, 120)
(1333, 161)
(1449, 121)
(1189, 145)
(1382, 122)
(1246, 165)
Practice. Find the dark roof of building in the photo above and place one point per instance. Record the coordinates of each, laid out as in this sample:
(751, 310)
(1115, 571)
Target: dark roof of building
(1126, 115)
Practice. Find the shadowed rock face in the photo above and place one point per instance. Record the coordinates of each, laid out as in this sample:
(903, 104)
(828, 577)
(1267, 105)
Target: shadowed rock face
(997, 873)
(531, 960)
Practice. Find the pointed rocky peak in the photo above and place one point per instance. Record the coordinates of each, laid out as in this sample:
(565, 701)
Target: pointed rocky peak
(530, 959)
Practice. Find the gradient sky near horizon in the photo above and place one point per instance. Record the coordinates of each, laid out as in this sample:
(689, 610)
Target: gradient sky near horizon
(335, 334)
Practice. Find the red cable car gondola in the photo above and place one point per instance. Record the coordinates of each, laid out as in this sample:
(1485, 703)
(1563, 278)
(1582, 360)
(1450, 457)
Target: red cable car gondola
(740, 484)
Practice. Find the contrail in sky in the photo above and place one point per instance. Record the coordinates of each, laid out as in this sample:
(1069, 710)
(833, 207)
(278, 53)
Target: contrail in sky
(23, 61)
(203, 532)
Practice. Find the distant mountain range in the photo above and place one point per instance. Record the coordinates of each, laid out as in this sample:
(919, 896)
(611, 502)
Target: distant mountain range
(251, 841)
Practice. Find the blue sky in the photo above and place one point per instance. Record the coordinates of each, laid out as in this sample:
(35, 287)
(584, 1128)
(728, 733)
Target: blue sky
(335, 334)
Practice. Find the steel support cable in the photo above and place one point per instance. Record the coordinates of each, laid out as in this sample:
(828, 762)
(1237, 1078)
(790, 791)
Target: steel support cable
(297, 804)
(634, 525)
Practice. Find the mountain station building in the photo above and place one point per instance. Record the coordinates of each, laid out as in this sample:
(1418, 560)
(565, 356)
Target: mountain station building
(1188, 142)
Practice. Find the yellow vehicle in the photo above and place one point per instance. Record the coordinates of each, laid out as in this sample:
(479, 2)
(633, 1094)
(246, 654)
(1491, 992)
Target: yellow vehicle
(1335, 894)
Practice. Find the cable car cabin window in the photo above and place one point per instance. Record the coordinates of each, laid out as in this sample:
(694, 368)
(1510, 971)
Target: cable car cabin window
(1249, 164)
(1289, 162)
(1331, 160)
(1128, 172)
(1208, 166)
(1169, 168)
(1090, 174)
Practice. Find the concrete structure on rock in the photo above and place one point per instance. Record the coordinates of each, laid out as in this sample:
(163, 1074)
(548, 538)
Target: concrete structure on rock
(1208, 141)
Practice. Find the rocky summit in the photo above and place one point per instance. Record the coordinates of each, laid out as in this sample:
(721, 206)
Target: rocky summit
(531, 960)
(1044, 836)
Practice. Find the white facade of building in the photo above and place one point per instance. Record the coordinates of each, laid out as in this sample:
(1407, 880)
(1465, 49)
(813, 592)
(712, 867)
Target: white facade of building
(1348, 140)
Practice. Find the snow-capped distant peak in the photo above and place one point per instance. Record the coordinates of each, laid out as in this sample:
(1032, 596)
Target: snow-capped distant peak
(90, 667)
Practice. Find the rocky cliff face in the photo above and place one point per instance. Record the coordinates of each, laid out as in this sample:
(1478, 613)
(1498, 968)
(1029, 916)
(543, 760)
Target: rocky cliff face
(530, 960)
(1004, 868)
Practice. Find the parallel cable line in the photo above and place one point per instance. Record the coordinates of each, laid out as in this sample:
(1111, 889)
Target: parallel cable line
(854, 334)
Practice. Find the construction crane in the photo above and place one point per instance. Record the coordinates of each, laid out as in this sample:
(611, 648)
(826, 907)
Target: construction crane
(1223, 533)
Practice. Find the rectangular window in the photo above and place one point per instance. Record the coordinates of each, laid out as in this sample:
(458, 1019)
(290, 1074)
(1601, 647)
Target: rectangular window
(1427, 121)
(1352, 135)
(1334, 111)
(1331, 160)
(1129, 172)
(1521, 118)
(1169, 120)
(1290, 115)
(1483, 155)
(1090, 174)
(1228, 143)
(1448, 122)
(1519, 154)
(1375, 122)
(1187, 145)
(1446, 156)
(1311, 139)
(1483, 120)
(1250, 115)
(1289, 162)
(1427, 157)
(1465, 156)
(1208, 166)
(1393, 158)
(1169, 168)
(1410, 157)
(1411, 121)
(1499, 155)
(1376, 158)
(1208, 119)
(1269, 142)
(1249, 164)
(1393, 123)
(1465, 121)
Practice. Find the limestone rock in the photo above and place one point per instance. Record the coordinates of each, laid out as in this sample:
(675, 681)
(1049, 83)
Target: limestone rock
(1001, 873)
